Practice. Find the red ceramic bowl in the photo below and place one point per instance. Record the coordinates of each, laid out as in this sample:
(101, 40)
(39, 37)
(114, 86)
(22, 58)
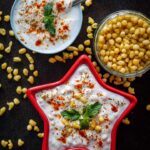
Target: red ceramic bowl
(82, 60)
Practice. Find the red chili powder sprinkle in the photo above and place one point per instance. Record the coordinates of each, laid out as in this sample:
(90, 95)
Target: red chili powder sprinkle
(66, 27)
(55, 105)
(62, 139)
(38, 42)
(91, 85)
(60, 6)
(51, 39)
(100, 143)
(60, 97)
(106, 126)
(99, 94)
(114, 108)
(38, 5)
(78, 86)
(82, 133)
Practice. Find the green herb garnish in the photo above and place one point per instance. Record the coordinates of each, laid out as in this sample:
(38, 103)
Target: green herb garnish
(89, 112)
(49, 19)
(48, 9)
(92, 110)
(84, 123)
(71, 114)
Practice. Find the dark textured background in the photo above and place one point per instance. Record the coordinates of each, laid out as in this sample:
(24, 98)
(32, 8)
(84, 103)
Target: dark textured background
(13, 123)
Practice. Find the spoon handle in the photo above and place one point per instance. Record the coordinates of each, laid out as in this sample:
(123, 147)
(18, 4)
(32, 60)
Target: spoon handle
(76, 2)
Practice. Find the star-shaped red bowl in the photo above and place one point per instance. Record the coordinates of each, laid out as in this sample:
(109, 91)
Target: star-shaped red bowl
(82, 60)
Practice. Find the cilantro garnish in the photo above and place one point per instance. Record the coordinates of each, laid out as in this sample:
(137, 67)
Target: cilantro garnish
(89, 112)
(71, 114)
(49, 19)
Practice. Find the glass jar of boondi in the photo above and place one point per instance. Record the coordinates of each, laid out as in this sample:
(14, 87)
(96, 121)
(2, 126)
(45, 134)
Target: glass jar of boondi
(122, 44)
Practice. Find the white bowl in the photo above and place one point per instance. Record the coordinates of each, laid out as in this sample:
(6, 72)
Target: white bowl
(76, 11)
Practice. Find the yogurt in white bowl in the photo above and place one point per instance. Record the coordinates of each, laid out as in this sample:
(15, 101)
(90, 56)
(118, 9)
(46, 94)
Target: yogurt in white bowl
(32, 28)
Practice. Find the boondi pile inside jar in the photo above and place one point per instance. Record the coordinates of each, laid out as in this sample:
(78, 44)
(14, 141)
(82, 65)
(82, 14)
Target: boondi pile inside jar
(124, 43)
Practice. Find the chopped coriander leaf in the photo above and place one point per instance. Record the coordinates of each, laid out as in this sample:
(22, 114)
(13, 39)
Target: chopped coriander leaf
(84, 123)
(48, 9)
(71, 114)
(93, 110)
(89, 112)
(49, 19)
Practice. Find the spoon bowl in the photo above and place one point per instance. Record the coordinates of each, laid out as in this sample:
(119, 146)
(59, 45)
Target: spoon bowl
(77, 2)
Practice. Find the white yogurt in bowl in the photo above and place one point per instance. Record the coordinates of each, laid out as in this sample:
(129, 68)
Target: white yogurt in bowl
(27, 21)
(93, 111)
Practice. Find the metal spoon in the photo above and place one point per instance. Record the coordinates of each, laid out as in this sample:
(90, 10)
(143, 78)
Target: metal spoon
(76, 2)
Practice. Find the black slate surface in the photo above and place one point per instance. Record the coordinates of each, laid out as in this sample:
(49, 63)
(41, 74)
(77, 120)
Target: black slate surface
(13, 123)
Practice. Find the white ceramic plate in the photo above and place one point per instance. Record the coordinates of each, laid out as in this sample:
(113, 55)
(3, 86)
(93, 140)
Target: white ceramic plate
(76, 11)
